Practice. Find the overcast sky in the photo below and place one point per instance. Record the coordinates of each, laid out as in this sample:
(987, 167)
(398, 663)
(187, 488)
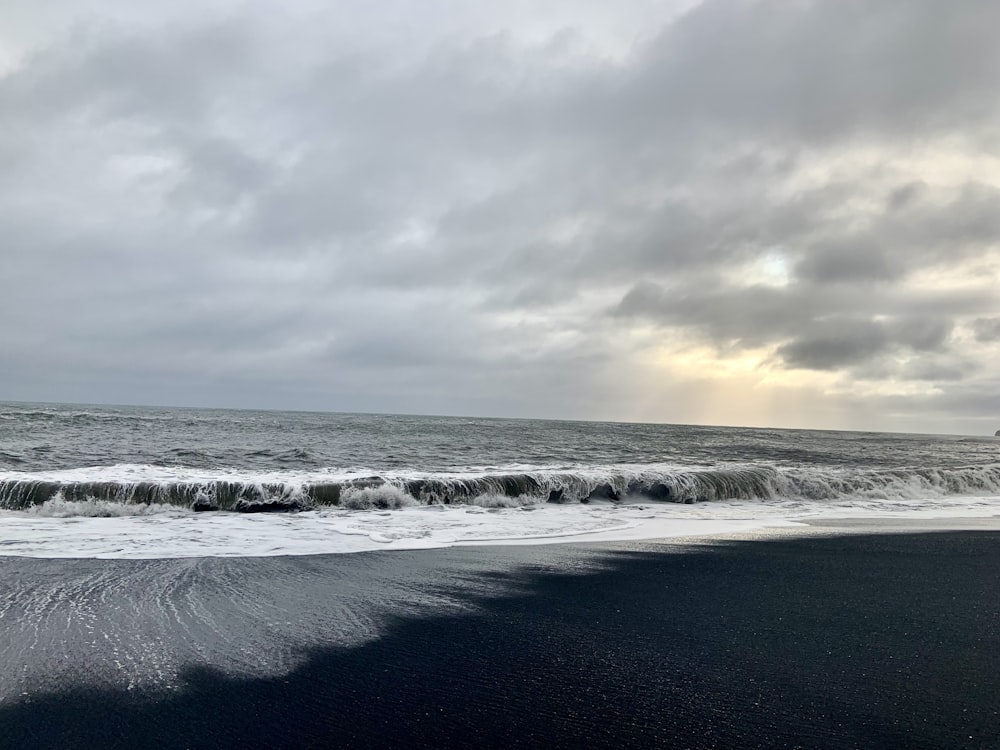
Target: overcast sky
(776, 213)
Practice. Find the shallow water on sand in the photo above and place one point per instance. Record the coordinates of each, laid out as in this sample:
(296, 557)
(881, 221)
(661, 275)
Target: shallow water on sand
(831, 641)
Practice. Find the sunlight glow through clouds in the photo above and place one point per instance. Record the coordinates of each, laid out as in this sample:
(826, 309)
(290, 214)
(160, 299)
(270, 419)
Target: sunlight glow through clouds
(574, 209)
(771, 269)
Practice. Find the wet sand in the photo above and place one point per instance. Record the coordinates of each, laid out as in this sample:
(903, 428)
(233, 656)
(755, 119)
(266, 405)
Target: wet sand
(836, 636)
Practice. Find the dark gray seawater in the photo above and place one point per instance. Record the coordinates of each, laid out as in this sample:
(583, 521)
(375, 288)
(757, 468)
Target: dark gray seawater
(264, 460)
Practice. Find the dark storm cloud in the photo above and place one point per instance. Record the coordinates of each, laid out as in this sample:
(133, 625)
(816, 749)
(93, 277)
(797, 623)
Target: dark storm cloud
(923, 333)
(756, 315)
(841, 260)
(746, 316)
(226, 195)
(835, 343)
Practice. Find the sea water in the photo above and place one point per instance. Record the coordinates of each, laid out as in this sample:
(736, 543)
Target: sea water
(103, 481)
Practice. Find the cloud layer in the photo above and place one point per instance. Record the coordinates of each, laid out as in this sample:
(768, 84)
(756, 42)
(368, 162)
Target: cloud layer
(732, 212)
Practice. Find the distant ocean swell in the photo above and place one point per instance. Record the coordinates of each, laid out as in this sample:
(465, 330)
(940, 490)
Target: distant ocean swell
(245, 494)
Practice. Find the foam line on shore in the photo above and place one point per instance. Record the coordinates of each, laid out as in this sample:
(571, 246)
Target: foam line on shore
(179, 533)
(330, 532)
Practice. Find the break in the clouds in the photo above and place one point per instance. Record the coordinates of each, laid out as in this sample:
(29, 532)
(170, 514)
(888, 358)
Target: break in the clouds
(782, 213)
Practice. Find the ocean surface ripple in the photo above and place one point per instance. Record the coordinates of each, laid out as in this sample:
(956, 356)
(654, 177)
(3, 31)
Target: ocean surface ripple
(60, 462)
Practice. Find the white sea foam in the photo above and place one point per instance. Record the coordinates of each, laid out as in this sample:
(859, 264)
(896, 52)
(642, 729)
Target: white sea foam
(55, 529)
(59, 507)
(366, 498)
(385, 516)
(191, 475)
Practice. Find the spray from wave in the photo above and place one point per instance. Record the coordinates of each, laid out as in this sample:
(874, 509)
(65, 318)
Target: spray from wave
(59, 507)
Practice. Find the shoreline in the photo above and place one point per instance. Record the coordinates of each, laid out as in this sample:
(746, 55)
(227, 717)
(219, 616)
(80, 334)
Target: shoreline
(158, 535)
(851, 634)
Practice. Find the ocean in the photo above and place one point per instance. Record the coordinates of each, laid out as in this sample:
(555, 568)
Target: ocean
(679, 618)
(117, 481)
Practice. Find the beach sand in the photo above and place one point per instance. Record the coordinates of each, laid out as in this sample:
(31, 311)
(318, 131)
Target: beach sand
(845, 634)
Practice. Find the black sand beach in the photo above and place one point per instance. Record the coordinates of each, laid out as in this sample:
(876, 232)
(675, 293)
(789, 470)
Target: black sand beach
(847, 640)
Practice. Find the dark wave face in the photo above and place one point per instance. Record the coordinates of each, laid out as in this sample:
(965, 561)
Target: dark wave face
(248, 496)
(646, 484)
(281, 461)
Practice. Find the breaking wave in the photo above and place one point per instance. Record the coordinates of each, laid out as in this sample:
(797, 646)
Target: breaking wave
(135, 490)
(59, 507)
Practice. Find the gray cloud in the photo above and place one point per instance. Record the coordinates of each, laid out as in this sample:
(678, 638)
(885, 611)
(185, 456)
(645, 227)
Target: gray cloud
(923, 333)
(484, 211)
(835, 344)
(986, 330)
(839, 260)
(905, 194)
(831, 344)
(940, 370)
(759, 315)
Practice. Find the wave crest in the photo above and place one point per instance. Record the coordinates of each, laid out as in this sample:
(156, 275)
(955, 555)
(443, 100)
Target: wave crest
(201, 490)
